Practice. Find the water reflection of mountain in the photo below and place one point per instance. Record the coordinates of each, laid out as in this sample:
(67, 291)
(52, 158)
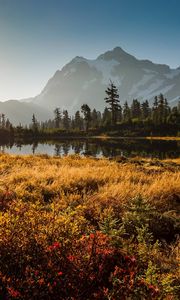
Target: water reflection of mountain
(96, 147)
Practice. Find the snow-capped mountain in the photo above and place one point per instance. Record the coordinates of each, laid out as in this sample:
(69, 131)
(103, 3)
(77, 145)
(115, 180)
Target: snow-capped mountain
(84, 81)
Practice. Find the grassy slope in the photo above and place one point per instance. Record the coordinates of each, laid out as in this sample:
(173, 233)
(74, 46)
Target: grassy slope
(50, 200)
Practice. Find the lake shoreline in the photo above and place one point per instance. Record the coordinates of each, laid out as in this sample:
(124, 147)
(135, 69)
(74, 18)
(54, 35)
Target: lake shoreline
(99, 137)
(96, 146)
(164, 138)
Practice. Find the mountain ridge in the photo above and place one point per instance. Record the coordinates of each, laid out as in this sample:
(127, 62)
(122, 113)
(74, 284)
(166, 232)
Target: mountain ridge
(145, 78)
(84, 80)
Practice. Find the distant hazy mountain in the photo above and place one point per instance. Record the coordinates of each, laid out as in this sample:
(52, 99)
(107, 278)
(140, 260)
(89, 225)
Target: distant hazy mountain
(84, 81)
(21, 112)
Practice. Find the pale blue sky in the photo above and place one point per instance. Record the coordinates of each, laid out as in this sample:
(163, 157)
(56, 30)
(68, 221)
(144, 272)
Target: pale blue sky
(37, 37)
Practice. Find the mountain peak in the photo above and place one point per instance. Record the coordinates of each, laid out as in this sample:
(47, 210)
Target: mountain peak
(78, 59)
(84, 80)
(119, 50)
(117, 54)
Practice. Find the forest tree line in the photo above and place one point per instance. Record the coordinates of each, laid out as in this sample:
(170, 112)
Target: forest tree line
(113, 114)
(114, 117)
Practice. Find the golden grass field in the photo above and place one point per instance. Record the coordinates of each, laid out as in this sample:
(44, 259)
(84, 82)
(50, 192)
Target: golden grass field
(55, 211)
(156, 181)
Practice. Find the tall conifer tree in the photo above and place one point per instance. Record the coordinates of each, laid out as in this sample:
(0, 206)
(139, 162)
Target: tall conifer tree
(113, 100)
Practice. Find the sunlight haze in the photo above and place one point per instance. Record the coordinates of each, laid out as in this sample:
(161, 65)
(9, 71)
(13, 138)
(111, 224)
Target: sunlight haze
(39, 37)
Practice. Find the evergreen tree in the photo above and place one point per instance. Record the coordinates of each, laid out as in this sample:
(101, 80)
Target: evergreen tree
(126, 112)
(11, 130)
(167, 110)
(106, 117)
(119, 115)
(178, 106)
(136, 109)
(155, 111)
(85, 109)
(174, 117)
(113, 100)
(66, 120)
(7, 124)
(57, 117)
(78, 120)
(3, 121)
(34, 123)
(160, 109)
(145, 110)
(99, 118)
(95, 118)
(73, 123)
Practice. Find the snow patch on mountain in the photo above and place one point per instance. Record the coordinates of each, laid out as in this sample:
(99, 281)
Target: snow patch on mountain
(141, 83)
(158, 90)
(172, 74)
(84, 81)
(69, 72)
(87, 84)
(167, 89)
(105, 67)
(148, 71)
(152, 89)
(176, 99)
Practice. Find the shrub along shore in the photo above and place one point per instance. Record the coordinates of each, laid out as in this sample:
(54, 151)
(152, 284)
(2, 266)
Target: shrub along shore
(86, 228)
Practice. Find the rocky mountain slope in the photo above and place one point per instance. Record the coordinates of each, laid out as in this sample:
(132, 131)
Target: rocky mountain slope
(84, 81)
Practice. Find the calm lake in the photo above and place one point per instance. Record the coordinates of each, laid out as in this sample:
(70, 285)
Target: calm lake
(99, 148)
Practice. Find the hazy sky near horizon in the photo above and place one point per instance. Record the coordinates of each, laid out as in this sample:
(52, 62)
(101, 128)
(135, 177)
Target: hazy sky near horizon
(37, 37)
